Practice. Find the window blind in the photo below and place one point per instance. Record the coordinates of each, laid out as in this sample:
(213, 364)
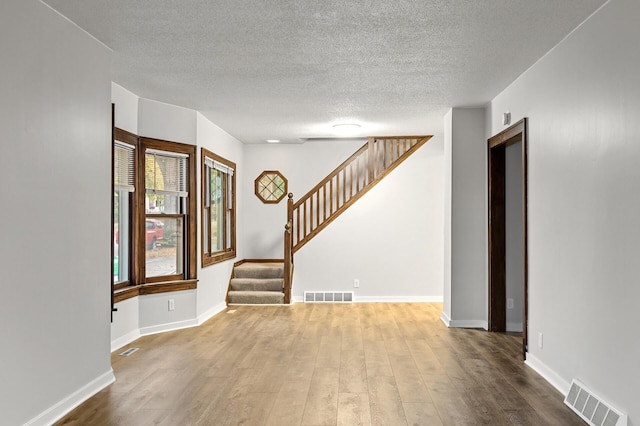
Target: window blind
(209, 162)
(166, 173)
(123, 178)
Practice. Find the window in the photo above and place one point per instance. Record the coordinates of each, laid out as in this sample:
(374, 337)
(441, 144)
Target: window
(167, 223)
(270, 186)
(218, 208)
(123, 190)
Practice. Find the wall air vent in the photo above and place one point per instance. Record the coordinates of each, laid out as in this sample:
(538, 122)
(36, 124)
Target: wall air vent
(592, 408)
(328, 296)
(128, 352)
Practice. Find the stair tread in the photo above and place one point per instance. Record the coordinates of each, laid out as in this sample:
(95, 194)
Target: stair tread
(259, 270)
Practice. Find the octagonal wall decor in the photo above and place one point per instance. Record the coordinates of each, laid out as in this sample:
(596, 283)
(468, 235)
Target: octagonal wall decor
(271, 186)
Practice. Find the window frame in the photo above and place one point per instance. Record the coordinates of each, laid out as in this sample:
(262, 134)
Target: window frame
(229, 251)
(189, 270)
(257, 183)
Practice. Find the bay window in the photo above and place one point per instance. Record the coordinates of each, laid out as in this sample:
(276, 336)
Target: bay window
(154, 216)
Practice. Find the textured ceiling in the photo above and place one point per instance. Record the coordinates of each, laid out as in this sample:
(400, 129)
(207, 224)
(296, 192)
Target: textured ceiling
(289, 69)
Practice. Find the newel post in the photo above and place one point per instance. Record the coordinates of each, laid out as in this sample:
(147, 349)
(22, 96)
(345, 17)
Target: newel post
(288, 251)
(290, 207)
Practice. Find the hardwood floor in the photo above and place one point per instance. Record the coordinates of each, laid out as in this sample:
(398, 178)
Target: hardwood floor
(325, 364)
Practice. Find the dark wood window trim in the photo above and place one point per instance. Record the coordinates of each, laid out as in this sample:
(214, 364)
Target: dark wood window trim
(155, 288)
(138, 284)
(126, 293)
(169, 286)
(229, 252)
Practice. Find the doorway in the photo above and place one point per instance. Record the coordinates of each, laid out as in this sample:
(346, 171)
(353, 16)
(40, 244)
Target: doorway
(502, 186)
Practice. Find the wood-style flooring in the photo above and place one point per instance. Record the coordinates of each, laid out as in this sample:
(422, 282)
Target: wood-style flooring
(325, 364)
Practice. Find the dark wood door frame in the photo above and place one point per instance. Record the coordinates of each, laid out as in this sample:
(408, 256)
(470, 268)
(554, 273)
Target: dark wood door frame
(497, 228)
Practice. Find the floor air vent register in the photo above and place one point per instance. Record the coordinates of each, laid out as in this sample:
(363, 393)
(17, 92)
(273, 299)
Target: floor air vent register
(592, 408)
(328, 296)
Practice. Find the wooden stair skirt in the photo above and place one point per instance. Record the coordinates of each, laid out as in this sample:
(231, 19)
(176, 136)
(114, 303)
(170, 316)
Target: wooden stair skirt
(256, 283)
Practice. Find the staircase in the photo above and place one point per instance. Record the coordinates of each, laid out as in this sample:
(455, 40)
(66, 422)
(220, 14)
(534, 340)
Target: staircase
(270, 282)
(256, 283)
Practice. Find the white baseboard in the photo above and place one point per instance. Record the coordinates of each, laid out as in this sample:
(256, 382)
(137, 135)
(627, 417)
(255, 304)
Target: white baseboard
(206, 316)
(171, 326)
(515, 327)
(397, 299)
(384, 299)
(124, 340)
(445, 319)
(161, 328)
(463, 323)
(474, 323)
(65, 406)
(548, 374)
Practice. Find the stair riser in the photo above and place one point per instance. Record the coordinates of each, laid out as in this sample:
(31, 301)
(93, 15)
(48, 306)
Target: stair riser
(256, 298)
(266, 285)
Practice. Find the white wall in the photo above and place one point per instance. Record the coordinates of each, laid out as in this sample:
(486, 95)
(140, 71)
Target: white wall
(446, 199)
(168, 122)
(465, 223)
(155, 315)
(391, 239)
(514, 256)
(55, 120)
(126, 108)
(583, 103)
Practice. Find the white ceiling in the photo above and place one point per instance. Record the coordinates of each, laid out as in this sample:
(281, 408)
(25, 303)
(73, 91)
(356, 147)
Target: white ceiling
(289, 69)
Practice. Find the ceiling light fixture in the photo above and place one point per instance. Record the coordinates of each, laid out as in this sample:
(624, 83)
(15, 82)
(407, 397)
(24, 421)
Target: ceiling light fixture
(346, 128)
(273, 140)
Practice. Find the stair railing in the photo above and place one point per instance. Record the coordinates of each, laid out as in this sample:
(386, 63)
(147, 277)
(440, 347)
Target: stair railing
(339, 190)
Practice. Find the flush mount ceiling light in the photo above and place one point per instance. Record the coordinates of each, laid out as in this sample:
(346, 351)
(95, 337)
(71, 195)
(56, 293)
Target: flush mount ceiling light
(273, 140)
(346, 128)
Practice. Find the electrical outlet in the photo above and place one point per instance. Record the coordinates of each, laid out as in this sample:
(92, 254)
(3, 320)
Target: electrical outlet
(356, 283)
(172, 304)
(509, 303)
(540, 340)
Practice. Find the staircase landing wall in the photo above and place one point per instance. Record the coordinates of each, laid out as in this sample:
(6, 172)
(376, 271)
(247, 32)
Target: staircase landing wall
(391, 239)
